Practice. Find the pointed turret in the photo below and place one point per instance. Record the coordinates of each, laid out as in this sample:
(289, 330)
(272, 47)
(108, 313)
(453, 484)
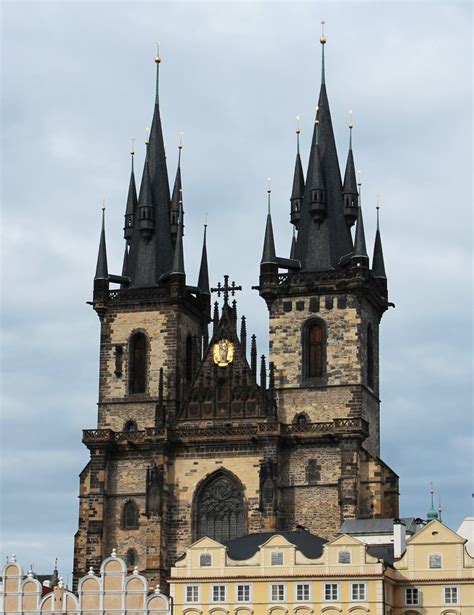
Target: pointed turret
(269, 252)
(323, 235)
(360, 257)
(176, 198)
(125, 262)
(131, 204)
(349, 189)
(203, 279)
(145, 209)
(293, 245)
(298, 182)
(101, 270)
(378, 265)
(178, 259)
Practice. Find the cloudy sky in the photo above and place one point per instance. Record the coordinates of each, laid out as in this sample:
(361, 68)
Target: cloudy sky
(77, 84)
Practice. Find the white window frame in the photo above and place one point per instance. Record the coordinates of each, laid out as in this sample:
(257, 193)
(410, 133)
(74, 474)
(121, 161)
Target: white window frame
(451, 587)
(440, 560)
(308, 599)
(336, 599)
(359, 584)
(272, 585)
(249, 585)
(278, 555)
(194, 599)
(418, 594)
(340, 552)
(219, 587)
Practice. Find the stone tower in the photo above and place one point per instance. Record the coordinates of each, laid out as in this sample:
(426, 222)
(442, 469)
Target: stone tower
(196, 436)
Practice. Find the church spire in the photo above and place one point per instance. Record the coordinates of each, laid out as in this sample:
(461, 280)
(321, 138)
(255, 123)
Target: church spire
(178, 260)
(360, 257)
(323, 235)
(203, 279)
(269, 252)
(349, 189)
(131, 201)
(293, 245)
(176, 197)
(378, 265)
(298, 181)
(101, 270)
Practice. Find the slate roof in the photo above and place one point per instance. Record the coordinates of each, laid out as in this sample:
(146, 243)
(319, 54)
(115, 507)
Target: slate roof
(375, 526)
(383, 552)
(246, 546)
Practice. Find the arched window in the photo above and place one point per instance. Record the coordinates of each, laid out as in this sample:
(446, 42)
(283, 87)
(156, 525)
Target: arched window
(131, 557)
(189, 358)
(370, 357)
(130, 515)
(219, 509)
(314, 349)
(138, 363)
(130, 426)
(301, 419)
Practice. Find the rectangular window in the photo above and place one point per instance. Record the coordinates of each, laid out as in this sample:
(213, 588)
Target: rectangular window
(277, 558)
(302, 592)
(192, 593)
(218, 593)
(278, 592)
(359, 591)
(331, 592)
(243, 593)
(412, 596)
(451, 595)
(344, 557)
(205, 559)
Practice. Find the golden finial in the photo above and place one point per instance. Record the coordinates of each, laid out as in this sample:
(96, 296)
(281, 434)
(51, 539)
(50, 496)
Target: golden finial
(132, 151)
(350, 119)
(359, 183)
(298, 125)
(157, 57)
(103, 206)
(180, 146)
(269, 184)
(323, 39)
(147, 135)
(205, 220)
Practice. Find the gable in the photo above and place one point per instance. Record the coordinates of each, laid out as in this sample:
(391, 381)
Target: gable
(435, 533)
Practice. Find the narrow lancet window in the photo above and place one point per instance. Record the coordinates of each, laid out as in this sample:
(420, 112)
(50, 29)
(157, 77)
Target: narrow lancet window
(130, 515)
(138, 363)
(313, 348)
(370, 357)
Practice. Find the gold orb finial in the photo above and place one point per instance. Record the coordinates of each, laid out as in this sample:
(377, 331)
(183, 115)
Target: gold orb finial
(157, 57)
(323, 40)
(147, 135)
(351, 125)
(269, 187)
(298, 125)
(132, 151)
(180, 145)
(359, 173)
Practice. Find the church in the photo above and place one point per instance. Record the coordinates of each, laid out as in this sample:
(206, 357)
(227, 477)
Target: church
(196, 436)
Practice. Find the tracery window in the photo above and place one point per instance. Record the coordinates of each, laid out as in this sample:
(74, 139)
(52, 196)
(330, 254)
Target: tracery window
(314, 349)
(138, 363)
(219, 511)
(370, 357)
(130, 515)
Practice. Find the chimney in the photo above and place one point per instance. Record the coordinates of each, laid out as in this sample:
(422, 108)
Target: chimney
(399, 538)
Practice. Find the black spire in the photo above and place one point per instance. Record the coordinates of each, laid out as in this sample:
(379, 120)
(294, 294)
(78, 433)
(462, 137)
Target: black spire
(176, 198)
(349, 189)
(101, 271)
(322, 242)
(269, 253)
(131, 204)
(178, 260)
(378, 265)
(125, 262)
(317, 189)
(203, 279)
(360, 256)
(298, 183)
(293, 245)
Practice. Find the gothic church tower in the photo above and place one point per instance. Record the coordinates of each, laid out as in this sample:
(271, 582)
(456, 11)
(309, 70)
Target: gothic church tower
(196, 437)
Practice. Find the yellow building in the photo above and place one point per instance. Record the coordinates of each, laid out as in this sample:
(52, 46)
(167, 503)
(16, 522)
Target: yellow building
(434, 576)
(292, 572)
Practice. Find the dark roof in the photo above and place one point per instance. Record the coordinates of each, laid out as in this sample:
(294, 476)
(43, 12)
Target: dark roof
(269, 253)
(383, 552)
(375, 526)
(244, 547)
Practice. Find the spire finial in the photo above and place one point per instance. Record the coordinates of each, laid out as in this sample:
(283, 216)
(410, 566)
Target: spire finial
(323, 41)
(298, 134)
(269, 192)
(351, 125)
(378, 212)
(359, 179)
(432, 495)
(158, 62)
(180, 147)
(132, 151)
(147, 135)
(205, 220)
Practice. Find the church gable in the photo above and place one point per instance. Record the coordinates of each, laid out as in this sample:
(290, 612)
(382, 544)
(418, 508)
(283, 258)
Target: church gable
(225, 386)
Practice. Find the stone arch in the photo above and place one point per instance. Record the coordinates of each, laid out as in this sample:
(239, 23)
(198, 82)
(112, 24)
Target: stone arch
(219, 507)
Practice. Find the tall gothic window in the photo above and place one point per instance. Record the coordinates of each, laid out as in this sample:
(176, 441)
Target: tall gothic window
(130, 515)
(138, 363)
(219, 509)
(370, 357)
(314, 341)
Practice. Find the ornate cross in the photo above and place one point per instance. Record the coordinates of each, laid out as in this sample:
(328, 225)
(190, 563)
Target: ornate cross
(225, 289)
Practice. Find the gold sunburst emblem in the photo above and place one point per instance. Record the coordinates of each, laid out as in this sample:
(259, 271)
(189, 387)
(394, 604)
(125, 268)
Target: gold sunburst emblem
(223, 352)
